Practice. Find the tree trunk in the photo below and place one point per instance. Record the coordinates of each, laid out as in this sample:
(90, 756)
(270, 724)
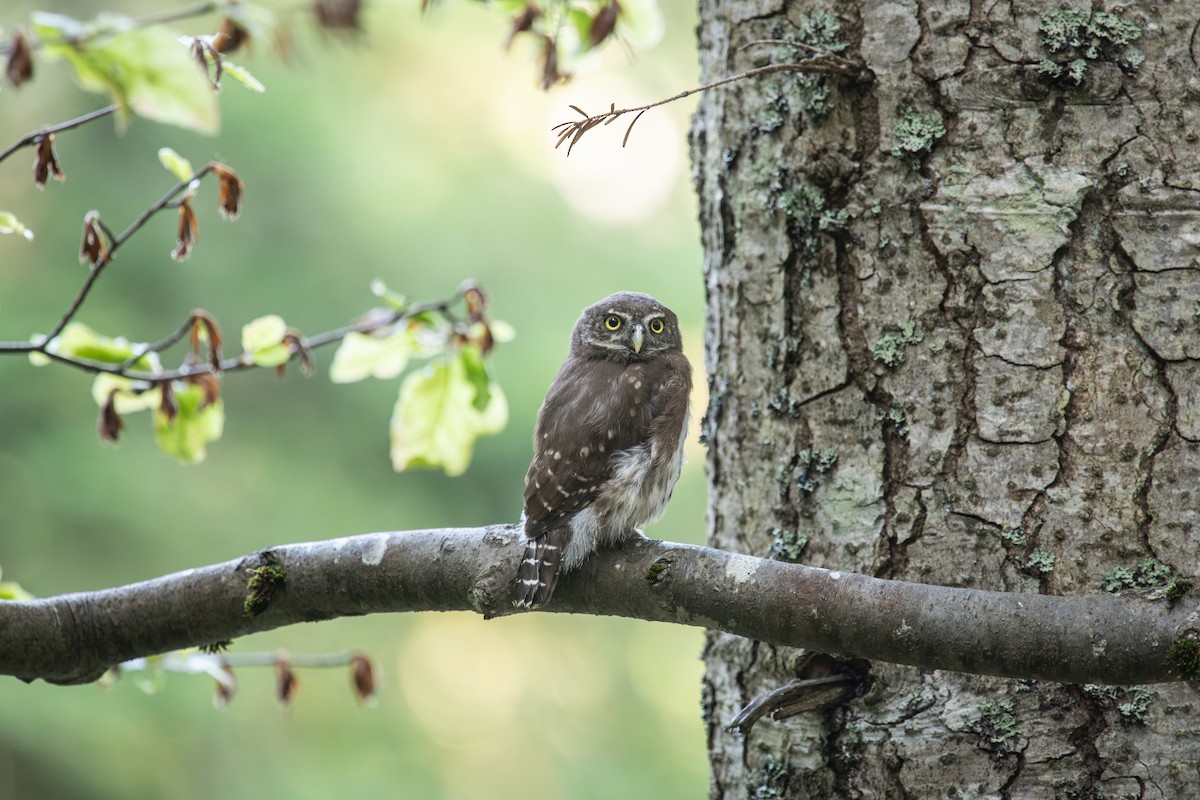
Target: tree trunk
(962, 355)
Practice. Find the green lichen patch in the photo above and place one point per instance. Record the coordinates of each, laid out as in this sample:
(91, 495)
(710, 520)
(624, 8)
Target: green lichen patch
(915, 134)
(772, 780)
(1145, 574)
(897, 417)
(813, 463)
(997, 726)
(889, 348)
(261, 587)
(1075, 38)
(656, 572)
(1131, 702)
(1040, 561)
(788, 544)
(1015, 536)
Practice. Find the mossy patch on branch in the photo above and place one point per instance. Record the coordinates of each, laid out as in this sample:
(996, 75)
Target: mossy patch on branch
(262, 586)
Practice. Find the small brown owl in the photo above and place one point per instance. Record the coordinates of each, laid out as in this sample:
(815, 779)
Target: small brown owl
(609, 439)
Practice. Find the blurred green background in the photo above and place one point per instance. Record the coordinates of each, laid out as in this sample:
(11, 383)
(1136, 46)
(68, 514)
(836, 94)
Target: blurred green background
(419, 154)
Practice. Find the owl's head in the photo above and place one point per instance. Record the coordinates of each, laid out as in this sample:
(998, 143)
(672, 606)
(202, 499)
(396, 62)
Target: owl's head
(626, 326)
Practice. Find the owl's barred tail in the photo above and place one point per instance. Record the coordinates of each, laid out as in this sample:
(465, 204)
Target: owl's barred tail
(538, 573)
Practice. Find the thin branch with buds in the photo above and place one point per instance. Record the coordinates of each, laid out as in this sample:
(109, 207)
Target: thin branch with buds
(33, 137)
(150, 20)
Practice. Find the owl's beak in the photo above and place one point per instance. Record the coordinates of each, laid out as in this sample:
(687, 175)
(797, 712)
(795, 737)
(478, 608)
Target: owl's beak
(639, 336)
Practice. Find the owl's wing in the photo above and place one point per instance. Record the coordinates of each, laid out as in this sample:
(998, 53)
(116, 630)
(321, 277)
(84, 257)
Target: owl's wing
(671, 376)
(594, 408)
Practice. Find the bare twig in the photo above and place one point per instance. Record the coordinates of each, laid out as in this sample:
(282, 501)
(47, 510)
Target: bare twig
(823, 62)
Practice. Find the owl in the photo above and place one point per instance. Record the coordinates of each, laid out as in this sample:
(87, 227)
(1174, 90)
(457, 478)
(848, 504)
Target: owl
(608, 445)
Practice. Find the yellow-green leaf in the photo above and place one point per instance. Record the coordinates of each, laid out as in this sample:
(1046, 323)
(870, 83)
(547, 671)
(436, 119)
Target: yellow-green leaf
(9, 224)
(363, 356)
(145, 71)
(193, 427)
(242, 76)
(127, 400)
(262, 338)
(80, 341)
(176, 164)
(435, 422)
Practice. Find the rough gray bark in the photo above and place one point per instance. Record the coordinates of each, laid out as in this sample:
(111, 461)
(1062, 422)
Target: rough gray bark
(74, 638)
(994, 330)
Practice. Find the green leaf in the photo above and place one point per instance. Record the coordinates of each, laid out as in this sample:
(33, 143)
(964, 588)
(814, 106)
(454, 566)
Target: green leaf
(242, 76)
(262, 338)
(144, 71)
(176, 164)
(477, 375)
(361, 356)
(80, 341)
(10, 224)
(435, 421)
(127, 400)
(194, 426)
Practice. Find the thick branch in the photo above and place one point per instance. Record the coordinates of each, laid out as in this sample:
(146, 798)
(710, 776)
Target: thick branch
(1098, 639)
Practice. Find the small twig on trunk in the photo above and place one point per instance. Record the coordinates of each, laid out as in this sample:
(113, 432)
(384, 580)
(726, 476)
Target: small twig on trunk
(822, 62)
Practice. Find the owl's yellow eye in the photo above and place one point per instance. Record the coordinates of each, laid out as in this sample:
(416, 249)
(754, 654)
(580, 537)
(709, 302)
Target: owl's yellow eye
(656, 326)
(612, 322)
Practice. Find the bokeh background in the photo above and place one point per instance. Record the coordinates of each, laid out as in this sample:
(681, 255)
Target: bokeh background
(419, 153)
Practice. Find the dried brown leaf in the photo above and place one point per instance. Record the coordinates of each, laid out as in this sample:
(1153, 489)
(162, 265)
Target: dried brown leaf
(224, 688)
(168, 405)
(203, 321)
(338, 14)
(551, 77)
(230, 36)
(522, 23)
(285, 681)
(362, 671)
(475, 300)
(604, 23)
(110, 423)
(94, 250)
(210, 384)
(19, 68)
(45, 162)
(189, 229)
(231, 186)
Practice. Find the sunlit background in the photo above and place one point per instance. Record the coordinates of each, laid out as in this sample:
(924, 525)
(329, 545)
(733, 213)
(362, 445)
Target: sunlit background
(419, 154)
